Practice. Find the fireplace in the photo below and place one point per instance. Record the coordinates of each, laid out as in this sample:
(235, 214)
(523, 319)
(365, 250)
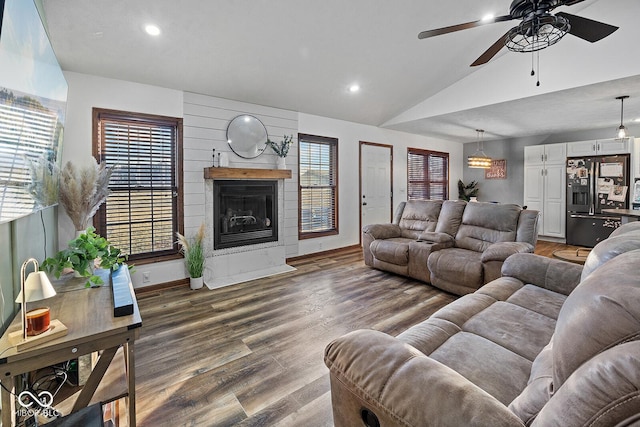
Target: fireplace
(245, 212)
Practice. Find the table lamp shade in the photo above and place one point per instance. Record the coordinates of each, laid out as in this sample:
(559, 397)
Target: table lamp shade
(36, 287)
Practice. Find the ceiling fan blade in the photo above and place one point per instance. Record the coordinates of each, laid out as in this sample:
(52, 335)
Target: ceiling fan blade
(465, 26)
(570, 2)
(587, 29)
(492, 51)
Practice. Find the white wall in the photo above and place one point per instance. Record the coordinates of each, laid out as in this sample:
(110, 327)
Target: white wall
(349, 136)
(86, 92)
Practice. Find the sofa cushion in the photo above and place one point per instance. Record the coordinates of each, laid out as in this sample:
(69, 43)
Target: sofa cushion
(450, 216)
(626, 228)
(420, 215)
(457, 265)
(487, 223)
(602, 312)
(395, 250)
(539, 387)
(608, 249)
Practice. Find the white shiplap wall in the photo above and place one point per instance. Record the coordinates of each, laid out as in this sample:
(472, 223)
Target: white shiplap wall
(205, 126)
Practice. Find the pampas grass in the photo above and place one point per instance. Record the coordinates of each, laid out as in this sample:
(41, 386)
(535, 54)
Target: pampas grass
(45, 176)
(83, 189)
(193, 250)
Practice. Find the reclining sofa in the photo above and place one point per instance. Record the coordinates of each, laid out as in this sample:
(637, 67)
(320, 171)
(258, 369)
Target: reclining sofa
(548, 344)
(454, 245)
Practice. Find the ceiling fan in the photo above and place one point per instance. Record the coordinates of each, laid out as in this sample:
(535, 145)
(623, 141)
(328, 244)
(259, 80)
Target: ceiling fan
(539, 28)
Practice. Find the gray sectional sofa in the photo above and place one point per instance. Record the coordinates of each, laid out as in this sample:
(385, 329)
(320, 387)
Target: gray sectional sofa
(454, 245)
(549, 343)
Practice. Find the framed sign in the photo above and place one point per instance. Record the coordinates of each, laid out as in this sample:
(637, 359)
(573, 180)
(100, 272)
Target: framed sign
(498, 169)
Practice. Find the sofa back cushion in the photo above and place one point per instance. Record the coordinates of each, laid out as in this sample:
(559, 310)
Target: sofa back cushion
(609, 249)
(487, 223)
(451, 217)
(602, 312)
(419, 216)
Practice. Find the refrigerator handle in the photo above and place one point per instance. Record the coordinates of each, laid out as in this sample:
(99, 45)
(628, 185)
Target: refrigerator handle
(592, 200)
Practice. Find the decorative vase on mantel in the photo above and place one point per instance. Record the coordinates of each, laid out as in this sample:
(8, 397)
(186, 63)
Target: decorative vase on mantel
(196, 282)
(281, 163)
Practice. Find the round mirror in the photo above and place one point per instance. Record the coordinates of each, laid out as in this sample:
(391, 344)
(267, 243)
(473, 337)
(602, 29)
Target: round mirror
(247, 136)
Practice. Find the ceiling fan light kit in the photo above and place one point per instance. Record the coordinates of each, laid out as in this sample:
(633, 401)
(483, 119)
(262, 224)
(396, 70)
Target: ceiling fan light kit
(622, 130)
(537, 33)
(479, 160)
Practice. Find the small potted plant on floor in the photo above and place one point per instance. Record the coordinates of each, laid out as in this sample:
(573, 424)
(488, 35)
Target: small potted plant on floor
(194, 258)
(82, 254)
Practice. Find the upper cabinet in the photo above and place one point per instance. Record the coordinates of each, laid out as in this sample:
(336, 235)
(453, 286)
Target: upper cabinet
(599, 147)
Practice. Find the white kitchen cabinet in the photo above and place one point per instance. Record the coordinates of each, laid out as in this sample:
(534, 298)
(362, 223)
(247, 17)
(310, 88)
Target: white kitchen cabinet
(599, 147)
(545, 186)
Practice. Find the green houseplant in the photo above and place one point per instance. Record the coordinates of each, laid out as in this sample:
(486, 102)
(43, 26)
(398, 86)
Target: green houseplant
(81, 254)
(194, 257)
(281, 149)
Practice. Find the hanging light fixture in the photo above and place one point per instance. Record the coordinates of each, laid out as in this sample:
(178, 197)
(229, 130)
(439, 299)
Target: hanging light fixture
(622, 130)
(479, 160)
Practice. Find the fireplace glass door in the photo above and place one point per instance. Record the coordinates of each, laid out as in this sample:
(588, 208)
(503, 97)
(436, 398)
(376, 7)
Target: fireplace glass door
(245, 212)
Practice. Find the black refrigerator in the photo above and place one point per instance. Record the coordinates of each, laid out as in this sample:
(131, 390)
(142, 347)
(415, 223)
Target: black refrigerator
(595, 183)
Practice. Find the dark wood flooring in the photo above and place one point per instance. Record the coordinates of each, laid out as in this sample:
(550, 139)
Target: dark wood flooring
(252, 354)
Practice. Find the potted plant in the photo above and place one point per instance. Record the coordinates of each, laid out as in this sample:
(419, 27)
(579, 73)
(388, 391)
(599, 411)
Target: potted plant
(468, 191)
(281, 149)
(194, 258)
(83, 189)
(82, 254)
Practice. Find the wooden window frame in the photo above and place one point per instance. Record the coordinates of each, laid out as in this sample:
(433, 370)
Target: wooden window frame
(99, 220)
(426, 181)
(333, 143)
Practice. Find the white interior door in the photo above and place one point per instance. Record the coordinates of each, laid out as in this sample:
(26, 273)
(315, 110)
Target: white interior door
(375, 182)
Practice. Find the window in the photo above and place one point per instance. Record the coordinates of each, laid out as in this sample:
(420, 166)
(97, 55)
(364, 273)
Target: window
(318, 192)
(142, 212)
(427, 175)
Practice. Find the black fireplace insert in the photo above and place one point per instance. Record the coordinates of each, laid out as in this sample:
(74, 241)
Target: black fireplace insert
(245, 212)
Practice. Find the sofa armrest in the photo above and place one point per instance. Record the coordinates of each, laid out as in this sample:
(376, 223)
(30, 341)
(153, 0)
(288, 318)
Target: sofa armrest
(500, 251)
(395, 381)
(434, 236)
(553, 274)
(382, 231)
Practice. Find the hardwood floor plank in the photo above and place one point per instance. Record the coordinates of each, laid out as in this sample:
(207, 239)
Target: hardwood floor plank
(251, 354)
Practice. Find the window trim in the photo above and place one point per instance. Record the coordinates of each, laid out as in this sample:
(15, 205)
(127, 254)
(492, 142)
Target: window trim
(423, 152)
(335, 230)
(99, 219)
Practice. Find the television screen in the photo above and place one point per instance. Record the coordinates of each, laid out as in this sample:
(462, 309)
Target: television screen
(33, 96)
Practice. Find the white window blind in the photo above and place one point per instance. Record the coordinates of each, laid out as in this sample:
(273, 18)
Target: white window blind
(318, 185)
(27, 131)
(428, 175)
(140, 215)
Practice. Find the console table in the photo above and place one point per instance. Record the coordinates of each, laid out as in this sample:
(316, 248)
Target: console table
(92, 327)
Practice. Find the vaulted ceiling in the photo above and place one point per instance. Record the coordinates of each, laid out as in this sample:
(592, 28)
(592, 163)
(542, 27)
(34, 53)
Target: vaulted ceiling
(302, 55)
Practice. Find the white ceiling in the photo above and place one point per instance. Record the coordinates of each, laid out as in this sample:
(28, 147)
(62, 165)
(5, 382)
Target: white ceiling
(302, 55)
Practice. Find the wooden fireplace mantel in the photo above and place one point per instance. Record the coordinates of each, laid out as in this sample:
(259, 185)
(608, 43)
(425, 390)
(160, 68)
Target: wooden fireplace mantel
(245, 173)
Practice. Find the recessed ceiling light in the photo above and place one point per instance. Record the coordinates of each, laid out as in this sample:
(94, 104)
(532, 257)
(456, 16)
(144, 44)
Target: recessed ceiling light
(152, 30)
(354, 88)
(488, 17)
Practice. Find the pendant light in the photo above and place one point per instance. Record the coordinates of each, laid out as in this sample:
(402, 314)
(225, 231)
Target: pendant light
(622, 130)
(479, 160)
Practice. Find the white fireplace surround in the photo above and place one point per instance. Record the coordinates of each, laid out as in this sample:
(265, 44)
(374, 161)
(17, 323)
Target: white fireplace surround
(243, 263)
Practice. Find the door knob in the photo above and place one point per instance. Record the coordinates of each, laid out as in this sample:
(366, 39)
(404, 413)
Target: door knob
(364, 203)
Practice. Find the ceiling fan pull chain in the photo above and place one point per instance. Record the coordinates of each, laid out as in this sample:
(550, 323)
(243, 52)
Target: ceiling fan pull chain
(538, 57)
(533, 73)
